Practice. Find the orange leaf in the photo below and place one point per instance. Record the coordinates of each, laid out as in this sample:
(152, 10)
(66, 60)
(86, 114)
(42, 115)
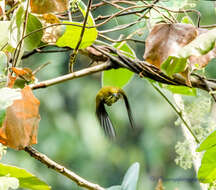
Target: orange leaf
(11, 81)
(48, 6)
(21, 122)
(24, 73)
(1, 12)
(167, 39)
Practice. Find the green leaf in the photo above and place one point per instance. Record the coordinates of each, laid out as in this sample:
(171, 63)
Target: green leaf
(125, 49)
(2, 117)
(209, 142)
(19, 17)
(116, 77)
(173, 65)
(26, 179)
(8, 182)
(131, 178)
(72, 33)
(200, 45)
(8, 95)
(207, 170)
(187, 20)
(33, 41)
(3, 59)
(3, 63)
(119, 77)
(15, 28)
(4, 25)
(116, 187)
(181, 90)
(71, 36)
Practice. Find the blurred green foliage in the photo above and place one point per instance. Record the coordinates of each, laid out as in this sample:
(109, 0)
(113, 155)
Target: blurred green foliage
(70, 134)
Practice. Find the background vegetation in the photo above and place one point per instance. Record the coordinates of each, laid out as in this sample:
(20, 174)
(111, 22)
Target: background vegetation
(69, 132)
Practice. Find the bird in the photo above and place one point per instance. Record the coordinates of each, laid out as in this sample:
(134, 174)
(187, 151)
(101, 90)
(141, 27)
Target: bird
(109, 95)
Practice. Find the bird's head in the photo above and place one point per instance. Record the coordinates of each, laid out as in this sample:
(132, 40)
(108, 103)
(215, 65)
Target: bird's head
(112, 98)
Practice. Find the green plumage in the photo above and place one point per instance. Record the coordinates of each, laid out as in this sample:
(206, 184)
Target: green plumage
(109, 95)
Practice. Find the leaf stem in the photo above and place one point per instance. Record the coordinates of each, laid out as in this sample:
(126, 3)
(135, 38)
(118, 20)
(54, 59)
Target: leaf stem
(18, 49)
(74, 54)
(179, 113)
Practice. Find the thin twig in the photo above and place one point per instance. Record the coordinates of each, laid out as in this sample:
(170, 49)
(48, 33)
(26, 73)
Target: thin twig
(122, 40)
(129, 13)
(74, 54)
(208, 26)
(39, 50)
(121, 27)
(183, 11)
(4, 46)
(123, 11)
(118, 6)
(18, 49)
(94, 6)
(40, 68)
(163, 15)
(147, 8)
(61, 169)
(43, 28)
(179, 113)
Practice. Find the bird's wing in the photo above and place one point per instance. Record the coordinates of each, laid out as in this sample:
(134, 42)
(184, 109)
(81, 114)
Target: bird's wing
(105, 121)
(130, 115)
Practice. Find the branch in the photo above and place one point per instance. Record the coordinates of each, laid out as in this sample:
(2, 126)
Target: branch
(142, 68)
(71, 76)
(210, 91)
(61, 169)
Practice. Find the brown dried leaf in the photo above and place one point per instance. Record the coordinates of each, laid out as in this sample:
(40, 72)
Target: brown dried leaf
(48, 6)
(50, 18)
(198, 62)
(166, 39)
(11, 81)
(21, 123)
(51, 34)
